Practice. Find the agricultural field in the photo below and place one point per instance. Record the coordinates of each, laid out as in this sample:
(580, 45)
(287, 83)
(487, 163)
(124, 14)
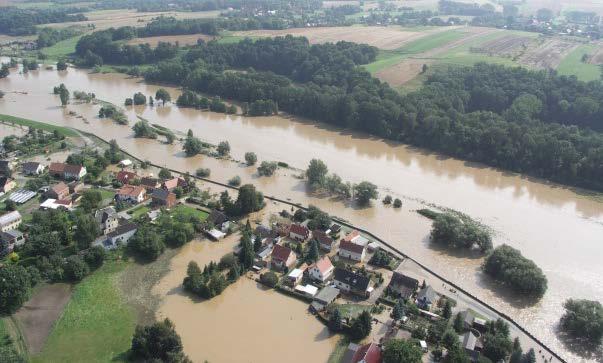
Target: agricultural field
(61, 49)
(574, 64)
(549, 54)
(510, 46)
(186, 39)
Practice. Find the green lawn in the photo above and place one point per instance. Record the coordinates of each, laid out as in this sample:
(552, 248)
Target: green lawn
(61, 49)
(106, 194)
(96, 326)
(572, 65)
(139, 211)
(186, 211)
(38, 125)
(352, 310)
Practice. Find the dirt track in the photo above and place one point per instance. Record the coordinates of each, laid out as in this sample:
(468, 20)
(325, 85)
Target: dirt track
(409, 68)
(37, 316)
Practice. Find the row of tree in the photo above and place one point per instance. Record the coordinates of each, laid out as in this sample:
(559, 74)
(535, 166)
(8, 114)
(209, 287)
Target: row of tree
(23, 21)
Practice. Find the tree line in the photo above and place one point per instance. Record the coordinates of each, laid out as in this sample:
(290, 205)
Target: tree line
(19, 21)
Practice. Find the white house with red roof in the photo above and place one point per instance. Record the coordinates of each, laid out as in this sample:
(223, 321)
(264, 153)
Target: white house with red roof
(282, 257)
(368, 353)
(351, 251)
(321, 270)
(298, 232)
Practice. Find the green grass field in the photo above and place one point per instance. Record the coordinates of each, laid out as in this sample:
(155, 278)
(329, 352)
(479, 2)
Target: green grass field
(572, 65)
(38, 125)
(352, 310)
(62, 49)
(139, 211)
(185, 211)
(96, 326)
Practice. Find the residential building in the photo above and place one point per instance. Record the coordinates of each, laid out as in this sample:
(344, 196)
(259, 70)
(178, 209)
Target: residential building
(58, 191)
(10, 221)
(472, 345)
(335, 229)
(298, 232)
(6, 184)
(427, 297)
(351, 282)
(470, 321)
(120, 236)
(75, 186)
(263, 232)
(32, 168)
(294, 277)
(51, 203)
(217, 218)
(173, 183)
(6, 167)
(10, 239)
(125, 177)
(150, 183)
(263, 254)
(163, 197)
(282, 257)
(324, 298)
(325, 242)
(321, 270)
(308, 290)
(402, 286)
(67, 171)
(356, 238)
(131, 193)
(107, 219)
(368, 353)
(351, 251)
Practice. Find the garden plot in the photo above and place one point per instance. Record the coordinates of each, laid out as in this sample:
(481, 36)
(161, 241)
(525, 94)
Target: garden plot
(549, 54)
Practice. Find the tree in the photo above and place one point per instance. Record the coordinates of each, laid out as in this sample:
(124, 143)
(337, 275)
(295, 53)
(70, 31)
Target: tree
(163, 95)
(246, 254)
(447, 311)
(312, 253)
(15, 287)
(460, 232)
(397, 203)
(457, 355)
(64, 95)
(223, 148)
(248, 200)
(583, 319)
(267, 168)
(269, 279)
(192, 145)
(91, 200)
(365, 191)
(257, 244)
(158, 342)
(335, 324)
(86, 231)
(458, 323)
(4, 71)
(165, 173)
(450, 339)
(398, 310)
(95, 257)
(75, 268)
(361, 327)
(139, 99)
(398, 350)
(147, 243)
(10, 205)
(316, 172)
(387, 200)
(529, 357)
(250, 158)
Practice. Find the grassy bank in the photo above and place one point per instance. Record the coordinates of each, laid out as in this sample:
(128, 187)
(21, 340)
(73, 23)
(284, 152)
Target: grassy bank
(572, 65)
(97, 325)
(38, 125)
(339, 351)
(62, 49)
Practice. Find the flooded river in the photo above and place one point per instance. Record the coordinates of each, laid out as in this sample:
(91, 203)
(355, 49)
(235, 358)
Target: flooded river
(559, 228)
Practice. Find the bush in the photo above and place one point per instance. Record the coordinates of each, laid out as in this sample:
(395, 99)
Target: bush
(267, 168)
(224, 148)
(583, 319)
(449, 229)
(158, 343)
(203, 172)
(95, 257)
(397, 203)
(387, 199)
(251, 158)
(235, 181)
(75, 268)
(269, 279)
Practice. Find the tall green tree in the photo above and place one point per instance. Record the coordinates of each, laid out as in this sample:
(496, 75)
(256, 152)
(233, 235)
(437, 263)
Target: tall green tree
(398, 350)
(163, 95)
(86, 231)
(365, 191)
(316, 172)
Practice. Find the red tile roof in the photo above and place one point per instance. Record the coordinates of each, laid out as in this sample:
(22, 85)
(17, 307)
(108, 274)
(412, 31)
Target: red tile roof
(351, 246)
(369, 353)
(73, 169)
(324, 265)
(131, 190)
(125, 177)
(350, 236)
(281, 253)
(56, 168)
(299, 229)
(322, 237)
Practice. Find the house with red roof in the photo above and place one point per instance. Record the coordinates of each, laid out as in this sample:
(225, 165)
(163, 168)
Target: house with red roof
(282, 258)
(351, 251)
(368, 353)
(173, 183)
(298, 232)
(325, 242)
(126, 177)
(59, 191)
(321, 270)
(131, 194)
(67, 171)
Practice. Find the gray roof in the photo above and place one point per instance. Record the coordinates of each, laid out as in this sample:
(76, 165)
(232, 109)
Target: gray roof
(30, 166)
(468, 340)
(102, 215)
(467, 317)
(123, 229)
(160, 193)
(428, 294)
(356, 281)
(327, 295)
(9, 217)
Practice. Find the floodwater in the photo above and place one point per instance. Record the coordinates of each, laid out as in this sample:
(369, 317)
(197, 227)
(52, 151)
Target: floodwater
(561, 229)
(246, 323)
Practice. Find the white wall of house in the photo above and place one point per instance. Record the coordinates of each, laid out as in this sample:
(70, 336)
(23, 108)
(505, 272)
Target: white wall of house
(352, 255)
(317, 275)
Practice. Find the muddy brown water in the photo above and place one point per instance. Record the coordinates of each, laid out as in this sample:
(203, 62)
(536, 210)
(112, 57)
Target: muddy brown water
(561, 229)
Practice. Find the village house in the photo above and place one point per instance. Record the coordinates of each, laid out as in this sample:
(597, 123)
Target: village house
(368, 353)
(282, 258)
(10, 221)
(67, 171)
(51, 203)
(75, 186)
(32, 168)
(402, 286)
(120, 236)
(131, 194)
(6, 184)
(126, 177)
(107, 219)
(173, 183)
(352, 282)
(261, 257)
(294, 277)
(150, 183)
(472, 345)
(470, 321)
(10, 239)
(351, 251)
(298, 232)
(58, 191)
(324, 298)
(321, 270)
(325, 242)
(164, 198)
(263, 232)
(426, 298)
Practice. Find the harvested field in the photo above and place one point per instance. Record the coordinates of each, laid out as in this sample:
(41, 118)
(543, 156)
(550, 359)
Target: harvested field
(507, 46)
(387, 38)
(187, 39)
(549, 54)
(411, 67)
(597, 57)
(37, 316)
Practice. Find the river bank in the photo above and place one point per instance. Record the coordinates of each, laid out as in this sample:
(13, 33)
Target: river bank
(557, 227)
